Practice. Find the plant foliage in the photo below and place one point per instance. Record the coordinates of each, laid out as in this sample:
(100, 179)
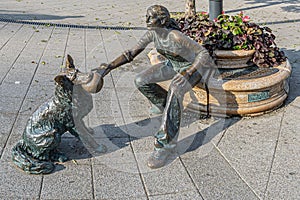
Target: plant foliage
(233, 33)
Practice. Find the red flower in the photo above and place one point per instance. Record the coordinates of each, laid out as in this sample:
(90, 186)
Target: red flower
(246, 18)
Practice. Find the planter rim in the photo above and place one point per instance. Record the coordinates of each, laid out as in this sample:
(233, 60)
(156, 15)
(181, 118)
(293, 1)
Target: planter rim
(254, 83)
(253, 110)
(233, 53)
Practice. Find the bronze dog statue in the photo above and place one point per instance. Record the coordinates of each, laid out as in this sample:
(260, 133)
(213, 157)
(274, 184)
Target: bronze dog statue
(37, 150)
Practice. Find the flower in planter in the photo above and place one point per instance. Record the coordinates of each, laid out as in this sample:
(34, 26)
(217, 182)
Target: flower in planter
(234, 32)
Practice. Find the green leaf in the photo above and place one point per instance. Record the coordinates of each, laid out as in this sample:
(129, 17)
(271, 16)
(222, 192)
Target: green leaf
(239, 21)
(225, 26)
(232, 24)
(237, 47)
(237, 31)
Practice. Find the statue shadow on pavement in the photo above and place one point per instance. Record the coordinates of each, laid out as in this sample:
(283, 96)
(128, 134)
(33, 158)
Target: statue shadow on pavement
(118, 136)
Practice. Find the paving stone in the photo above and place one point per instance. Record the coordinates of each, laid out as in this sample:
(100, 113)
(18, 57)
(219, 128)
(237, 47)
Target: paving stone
(129, 94)
(167, 180)
(76, 48)
(286, 159)
(143, 148)
(3, 25)
(50, 65)
(178, 196)
(127, 39)
(109, 127)
(106, 93)
(22, 76)
(141, 127)
(216, 179)
(15, 136)
(23, 69)
(283, 186)
(172, 172)
(6, 122)
(132, 109)
(41, 91)
(238, 169)
(45, 79)
(13, 90)
(30, 105)
(108, 83)
(125, 80)
(115, 184)
(95, 52)
(20, 34)
(249, 147)
(75, 150)
(72, 182)
(58, 40)
(36, 45)
(110, 39)
(107, 109)
(118, 152)
(10, 105)
(15, 184)
(198, 137)
(7, 32)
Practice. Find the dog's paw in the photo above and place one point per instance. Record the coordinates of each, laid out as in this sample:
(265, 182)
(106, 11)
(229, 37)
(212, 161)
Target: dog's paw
(59, 157)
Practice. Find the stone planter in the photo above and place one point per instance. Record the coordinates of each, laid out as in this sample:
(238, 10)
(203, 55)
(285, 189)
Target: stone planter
(245, 91)
(248, 93)
(227, 59)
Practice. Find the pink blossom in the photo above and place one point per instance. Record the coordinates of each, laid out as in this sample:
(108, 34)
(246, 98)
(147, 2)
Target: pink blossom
(223, 12)
(246, 18)
(204, 13)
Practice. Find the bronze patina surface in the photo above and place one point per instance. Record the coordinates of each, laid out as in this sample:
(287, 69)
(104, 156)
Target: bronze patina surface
(186, 61)
(37, 150)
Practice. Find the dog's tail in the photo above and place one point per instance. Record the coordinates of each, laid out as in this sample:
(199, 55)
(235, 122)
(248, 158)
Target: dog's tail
(27, 163)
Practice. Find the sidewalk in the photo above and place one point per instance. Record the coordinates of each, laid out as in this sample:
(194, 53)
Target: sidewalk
(235, 158)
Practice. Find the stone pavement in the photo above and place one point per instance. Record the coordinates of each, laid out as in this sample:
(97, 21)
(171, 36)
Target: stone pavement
(235, 158)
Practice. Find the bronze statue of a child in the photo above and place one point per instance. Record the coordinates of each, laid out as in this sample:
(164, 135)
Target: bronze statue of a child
(185, 65)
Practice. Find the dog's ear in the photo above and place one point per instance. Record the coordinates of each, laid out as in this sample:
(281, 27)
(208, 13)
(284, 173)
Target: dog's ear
(60, 79)
(70, 62)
